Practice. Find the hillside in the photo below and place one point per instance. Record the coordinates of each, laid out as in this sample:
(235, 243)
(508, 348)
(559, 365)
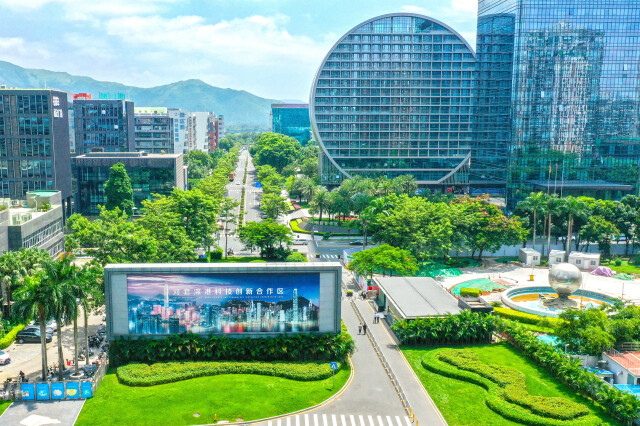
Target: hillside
(238, 107)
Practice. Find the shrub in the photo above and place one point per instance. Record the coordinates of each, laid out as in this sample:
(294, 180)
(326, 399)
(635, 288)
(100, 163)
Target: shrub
(296, 257)
(168, 372)
(473, 292)
(215, 255)
(467, 327)
(10, 337)
(524, 317)
(506, 397)
(620, 405)
(188, 346)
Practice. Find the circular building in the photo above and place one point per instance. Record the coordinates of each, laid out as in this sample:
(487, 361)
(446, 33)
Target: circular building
(394, 97)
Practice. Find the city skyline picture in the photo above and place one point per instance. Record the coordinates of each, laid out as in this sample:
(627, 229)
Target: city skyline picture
(160, 304)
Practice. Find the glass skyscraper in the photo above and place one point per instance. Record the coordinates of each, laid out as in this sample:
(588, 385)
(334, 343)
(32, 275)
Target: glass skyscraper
(291, 120)
(394, 97)
(558, 97)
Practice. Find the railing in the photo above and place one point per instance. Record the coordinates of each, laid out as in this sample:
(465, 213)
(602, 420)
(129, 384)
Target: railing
(630, 346)
(99, 375)
(622, 359)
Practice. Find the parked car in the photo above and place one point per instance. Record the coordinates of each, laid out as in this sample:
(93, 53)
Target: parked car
(355, 243)
(47, 329)
(300, 242)
(4, 358)
(31, 336)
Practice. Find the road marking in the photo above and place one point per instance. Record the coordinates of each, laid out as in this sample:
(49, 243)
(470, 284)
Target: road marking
(371, 421)
(353, 421)
(334, 419)
(361, 420)
(289, 421)
(406, 419)
(389, 421)
(306, 420)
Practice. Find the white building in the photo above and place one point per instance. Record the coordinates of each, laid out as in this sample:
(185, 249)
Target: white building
(556, 256)
(180, 130)
(587, 261)
(529, 256)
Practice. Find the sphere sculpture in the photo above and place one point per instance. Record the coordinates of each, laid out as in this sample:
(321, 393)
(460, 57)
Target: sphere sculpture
(565, 279)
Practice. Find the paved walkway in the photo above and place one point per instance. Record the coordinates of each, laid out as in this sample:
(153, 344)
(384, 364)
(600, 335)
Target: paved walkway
(34, 413)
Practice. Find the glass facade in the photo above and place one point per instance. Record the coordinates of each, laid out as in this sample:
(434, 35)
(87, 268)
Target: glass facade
(104, 124)
(154, 133)
(291, 120)
(558, 96)
(394, 97)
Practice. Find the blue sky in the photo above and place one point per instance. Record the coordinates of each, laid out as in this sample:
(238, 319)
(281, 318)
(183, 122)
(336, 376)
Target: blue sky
(268, 47)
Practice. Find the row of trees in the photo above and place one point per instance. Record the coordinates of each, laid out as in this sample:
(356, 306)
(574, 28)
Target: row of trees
(582, 220)
(41, 288)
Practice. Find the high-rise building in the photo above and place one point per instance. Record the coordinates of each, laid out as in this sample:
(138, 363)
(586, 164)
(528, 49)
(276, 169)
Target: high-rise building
(149, 173)
(205, 129)
(291, 120)
(180, 131)
(154, 130)
(394, 97)
(559, 96)
(103, 125)
(34, 144)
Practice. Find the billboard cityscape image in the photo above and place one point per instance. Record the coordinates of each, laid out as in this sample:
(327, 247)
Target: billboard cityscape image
(223, 303)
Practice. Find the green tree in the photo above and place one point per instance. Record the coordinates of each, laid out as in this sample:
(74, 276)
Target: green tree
(385, 259)
(321, 201)
(296, 257)
(227, 215)
(88, 290)
(200, 164)
(535, 204)
(405, 184)
(273, 205)
(601, 231)
(270, 238)
(491, 229)
(14, 267)
(275, 150)
(36, 300)
(167, 228)
(584, 331)
(571, 207)
(118, 191)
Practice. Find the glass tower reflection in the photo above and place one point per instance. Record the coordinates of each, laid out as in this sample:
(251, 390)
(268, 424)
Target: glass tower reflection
(558, 95)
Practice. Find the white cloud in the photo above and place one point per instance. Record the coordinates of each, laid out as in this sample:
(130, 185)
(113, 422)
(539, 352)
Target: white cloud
(89, 9)
(17, 47)
(465, 5)
(416, 9)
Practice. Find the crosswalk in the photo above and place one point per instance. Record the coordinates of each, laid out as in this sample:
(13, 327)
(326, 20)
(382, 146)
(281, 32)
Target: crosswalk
(330, 256)
(340, 420)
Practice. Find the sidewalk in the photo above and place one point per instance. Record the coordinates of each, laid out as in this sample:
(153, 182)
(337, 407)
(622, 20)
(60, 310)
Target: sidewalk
(419, 400)
(36, 413)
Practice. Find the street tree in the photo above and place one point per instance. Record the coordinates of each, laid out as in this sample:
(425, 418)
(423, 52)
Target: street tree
(273, 205)
(118, 191)
(535, 204)
(383, 259)
(600, 230)
(270, 238)
(571, 207)
(228, 215)
(492, 229)
(275, 150)
(321, 201)
(14, 267)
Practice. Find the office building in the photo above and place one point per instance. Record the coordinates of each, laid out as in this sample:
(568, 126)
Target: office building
(149, 173)
(394, 97)
(558, 99)
(291, 120)
(34, 144)
(33, 222)
(103, 125)
(154, 130)
(180, 131)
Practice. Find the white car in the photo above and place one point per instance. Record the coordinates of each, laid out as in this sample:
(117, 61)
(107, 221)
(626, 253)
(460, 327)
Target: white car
(4, 358)
(300, 242)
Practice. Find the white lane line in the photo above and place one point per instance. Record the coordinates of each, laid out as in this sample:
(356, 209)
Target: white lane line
(315, 420)
(361, 420)
(324, 420)
(407, 420)
(371, 421)
(279, 422)
(344, 421)
(289, 421)
(334, 420)
(398, 420)
(353, 421)
(389, 421)
(306, 420)
(380, 421)
(270, 423)
(297, 420)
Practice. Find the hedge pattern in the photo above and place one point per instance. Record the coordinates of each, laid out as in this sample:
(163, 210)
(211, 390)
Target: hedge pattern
(524, 317)
(10, 337)
(168, 372)
(473, 292)
(620, 405)
(188, 346)
(507, 394)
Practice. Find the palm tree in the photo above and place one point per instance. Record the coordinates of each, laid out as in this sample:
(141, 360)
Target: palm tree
(308, 189)
(552, 209)
(33, 300)
(85, 292)
(61, 276)
(321, 200)
(367, 217)
(572, 207)
(14, 266)
(534, 203)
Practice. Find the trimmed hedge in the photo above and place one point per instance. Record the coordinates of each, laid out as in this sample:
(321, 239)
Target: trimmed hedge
(188, 346)
(473, 292)
(515, 404)
(465, 328)
(10, 337)
(295, 227)
(168, 372)
(524, 317)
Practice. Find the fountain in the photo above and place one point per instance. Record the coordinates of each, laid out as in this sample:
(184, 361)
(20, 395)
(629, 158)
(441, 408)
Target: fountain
(562, 293)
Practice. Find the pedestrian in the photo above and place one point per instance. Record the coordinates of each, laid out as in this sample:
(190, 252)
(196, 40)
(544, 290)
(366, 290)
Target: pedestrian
(22, 376)
(360, 329)
(364, 328)
(375, 318)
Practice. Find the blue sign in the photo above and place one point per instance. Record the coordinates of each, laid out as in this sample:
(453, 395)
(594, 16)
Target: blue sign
(42, 391)
(86, 390)
(28, 391)
(334, 365)
(73, 390)
(57, 390)
(258, 185)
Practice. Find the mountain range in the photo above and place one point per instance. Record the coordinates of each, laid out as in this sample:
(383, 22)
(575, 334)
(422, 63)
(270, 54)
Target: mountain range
(238, 106)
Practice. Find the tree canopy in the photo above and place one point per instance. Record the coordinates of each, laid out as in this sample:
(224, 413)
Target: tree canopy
(118, 191)
(270, 238)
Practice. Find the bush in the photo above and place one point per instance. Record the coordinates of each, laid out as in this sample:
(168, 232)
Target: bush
(10, 337)
(214, 255)
(168, 372)
(525, 318)
(467, 327)
(507, 393)
(620, 405)
(473, 292)
(188, 346)
(296, 257)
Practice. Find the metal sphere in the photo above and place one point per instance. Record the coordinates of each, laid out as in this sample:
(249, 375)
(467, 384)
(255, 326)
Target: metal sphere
(565, 278)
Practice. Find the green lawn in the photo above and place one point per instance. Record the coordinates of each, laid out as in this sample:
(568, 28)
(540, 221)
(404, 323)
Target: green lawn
(4, 405)
(625, 267)
(462, 403)
(231, 397)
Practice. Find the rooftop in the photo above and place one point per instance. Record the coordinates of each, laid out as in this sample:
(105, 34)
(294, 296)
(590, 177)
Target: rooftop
(126, 155)
(418, 296)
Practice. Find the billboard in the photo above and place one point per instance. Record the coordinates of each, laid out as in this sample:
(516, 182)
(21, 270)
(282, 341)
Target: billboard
(168, 303)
